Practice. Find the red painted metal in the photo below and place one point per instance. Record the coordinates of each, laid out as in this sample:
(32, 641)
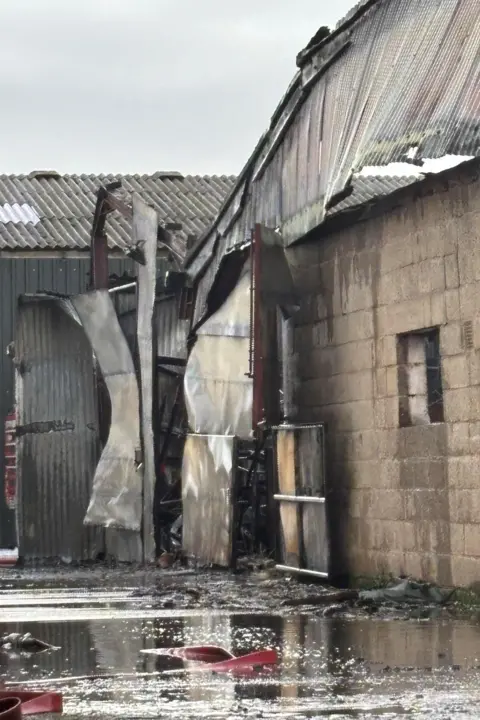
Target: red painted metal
(30, 703)
(99, 262)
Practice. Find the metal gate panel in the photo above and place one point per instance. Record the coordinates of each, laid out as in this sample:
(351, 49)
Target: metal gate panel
(300, 464)
(57, 432)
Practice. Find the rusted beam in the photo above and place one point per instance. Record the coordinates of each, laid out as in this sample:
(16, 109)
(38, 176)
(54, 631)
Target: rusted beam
(99, 244)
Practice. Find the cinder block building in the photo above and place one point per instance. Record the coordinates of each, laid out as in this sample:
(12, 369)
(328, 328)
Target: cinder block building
(388, 340)
(369, 174)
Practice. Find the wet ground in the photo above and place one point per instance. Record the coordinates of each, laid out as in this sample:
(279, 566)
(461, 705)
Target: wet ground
(339, 667)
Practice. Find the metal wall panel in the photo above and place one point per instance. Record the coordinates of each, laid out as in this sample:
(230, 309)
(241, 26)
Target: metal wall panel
(57, 433)
(32, 275)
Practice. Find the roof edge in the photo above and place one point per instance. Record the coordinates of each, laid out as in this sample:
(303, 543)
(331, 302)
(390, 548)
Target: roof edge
(354, 14)
(350, 19)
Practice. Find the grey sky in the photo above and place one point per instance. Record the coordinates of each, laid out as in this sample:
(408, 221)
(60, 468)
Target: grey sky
(145, 85)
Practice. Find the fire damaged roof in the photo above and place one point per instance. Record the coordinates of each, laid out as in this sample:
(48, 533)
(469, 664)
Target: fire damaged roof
(391, 95)
(49, 211)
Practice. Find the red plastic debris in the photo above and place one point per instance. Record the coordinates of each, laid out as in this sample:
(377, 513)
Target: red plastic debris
(216, 659)
(31, 703)
(10, 708)
(197, 653)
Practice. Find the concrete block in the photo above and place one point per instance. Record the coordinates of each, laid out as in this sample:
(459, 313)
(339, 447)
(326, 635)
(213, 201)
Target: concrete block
(473, 360)
(359, 503)
(404, 536)
(386, 351)
(457, 538)
(458, 438)
(431, 275)
(451, 339)
(452, 305)
(386, 505)
(386, 412)
(438, 308)
(388, 443)
(381, 383)
(320, 334)
(455, 372)
(474, 436)
(425, 473)
(423, 441)
(464, 506)
(452, 278)
(472, 540)
(465, 570)
(362, 445)
(466, 265)
(405, 317)
(461, 472)
(347, 417)
(392, 381)
(458, 404)
(469, 300)
(475, 402)
(353, 327)
(395, 255)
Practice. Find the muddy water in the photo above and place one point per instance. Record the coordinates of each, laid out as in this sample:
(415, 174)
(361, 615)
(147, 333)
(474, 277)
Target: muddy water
(330, 667)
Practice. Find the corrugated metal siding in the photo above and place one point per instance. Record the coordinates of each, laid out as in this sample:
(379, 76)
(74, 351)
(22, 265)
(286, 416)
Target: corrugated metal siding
(405, 74)
(17, 277)
(57, 444)
(171, 331)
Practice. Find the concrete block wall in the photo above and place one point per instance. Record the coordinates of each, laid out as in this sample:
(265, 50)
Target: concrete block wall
(403, 500)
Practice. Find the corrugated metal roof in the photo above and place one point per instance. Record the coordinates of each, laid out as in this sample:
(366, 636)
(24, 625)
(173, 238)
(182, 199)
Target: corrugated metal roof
(45, 211)
(397, 75)
(369, 188)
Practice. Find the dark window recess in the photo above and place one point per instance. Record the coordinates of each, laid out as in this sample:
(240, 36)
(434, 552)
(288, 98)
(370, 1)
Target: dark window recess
(420, 378)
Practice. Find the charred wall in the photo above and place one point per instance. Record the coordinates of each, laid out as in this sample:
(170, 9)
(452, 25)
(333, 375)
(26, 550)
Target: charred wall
(403, 489)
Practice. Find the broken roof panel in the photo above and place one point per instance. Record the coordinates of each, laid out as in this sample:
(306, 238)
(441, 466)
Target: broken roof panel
(398, 81)
(48, 211)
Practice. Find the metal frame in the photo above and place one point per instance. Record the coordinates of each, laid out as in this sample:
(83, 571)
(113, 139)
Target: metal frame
(300, 499)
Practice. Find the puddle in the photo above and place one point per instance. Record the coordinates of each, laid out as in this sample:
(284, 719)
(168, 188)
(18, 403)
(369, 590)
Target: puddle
(329, 667)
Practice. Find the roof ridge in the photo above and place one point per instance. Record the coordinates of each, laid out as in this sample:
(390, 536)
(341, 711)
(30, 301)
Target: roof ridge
(157, 175)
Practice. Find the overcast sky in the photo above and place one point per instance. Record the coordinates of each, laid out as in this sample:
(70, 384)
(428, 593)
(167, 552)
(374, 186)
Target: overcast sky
(144, 85)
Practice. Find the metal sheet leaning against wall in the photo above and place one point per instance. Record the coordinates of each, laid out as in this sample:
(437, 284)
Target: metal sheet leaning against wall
(117, 487)
(218, 389)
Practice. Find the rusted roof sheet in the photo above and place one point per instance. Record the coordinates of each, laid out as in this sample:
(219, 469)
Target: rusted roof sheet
(48, 211)
(397, 82)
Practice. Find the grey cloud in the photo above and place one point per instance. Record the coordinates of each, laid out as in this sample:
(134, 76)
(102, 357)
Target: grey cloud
(141, 85)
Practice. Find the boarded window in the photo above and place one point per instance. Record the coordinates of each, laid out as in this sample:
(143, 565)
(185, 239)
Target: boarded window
(420, 378)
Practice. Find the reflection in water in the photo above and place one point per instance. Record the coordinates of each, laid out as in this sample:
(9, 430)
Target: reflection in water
(325, 663)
